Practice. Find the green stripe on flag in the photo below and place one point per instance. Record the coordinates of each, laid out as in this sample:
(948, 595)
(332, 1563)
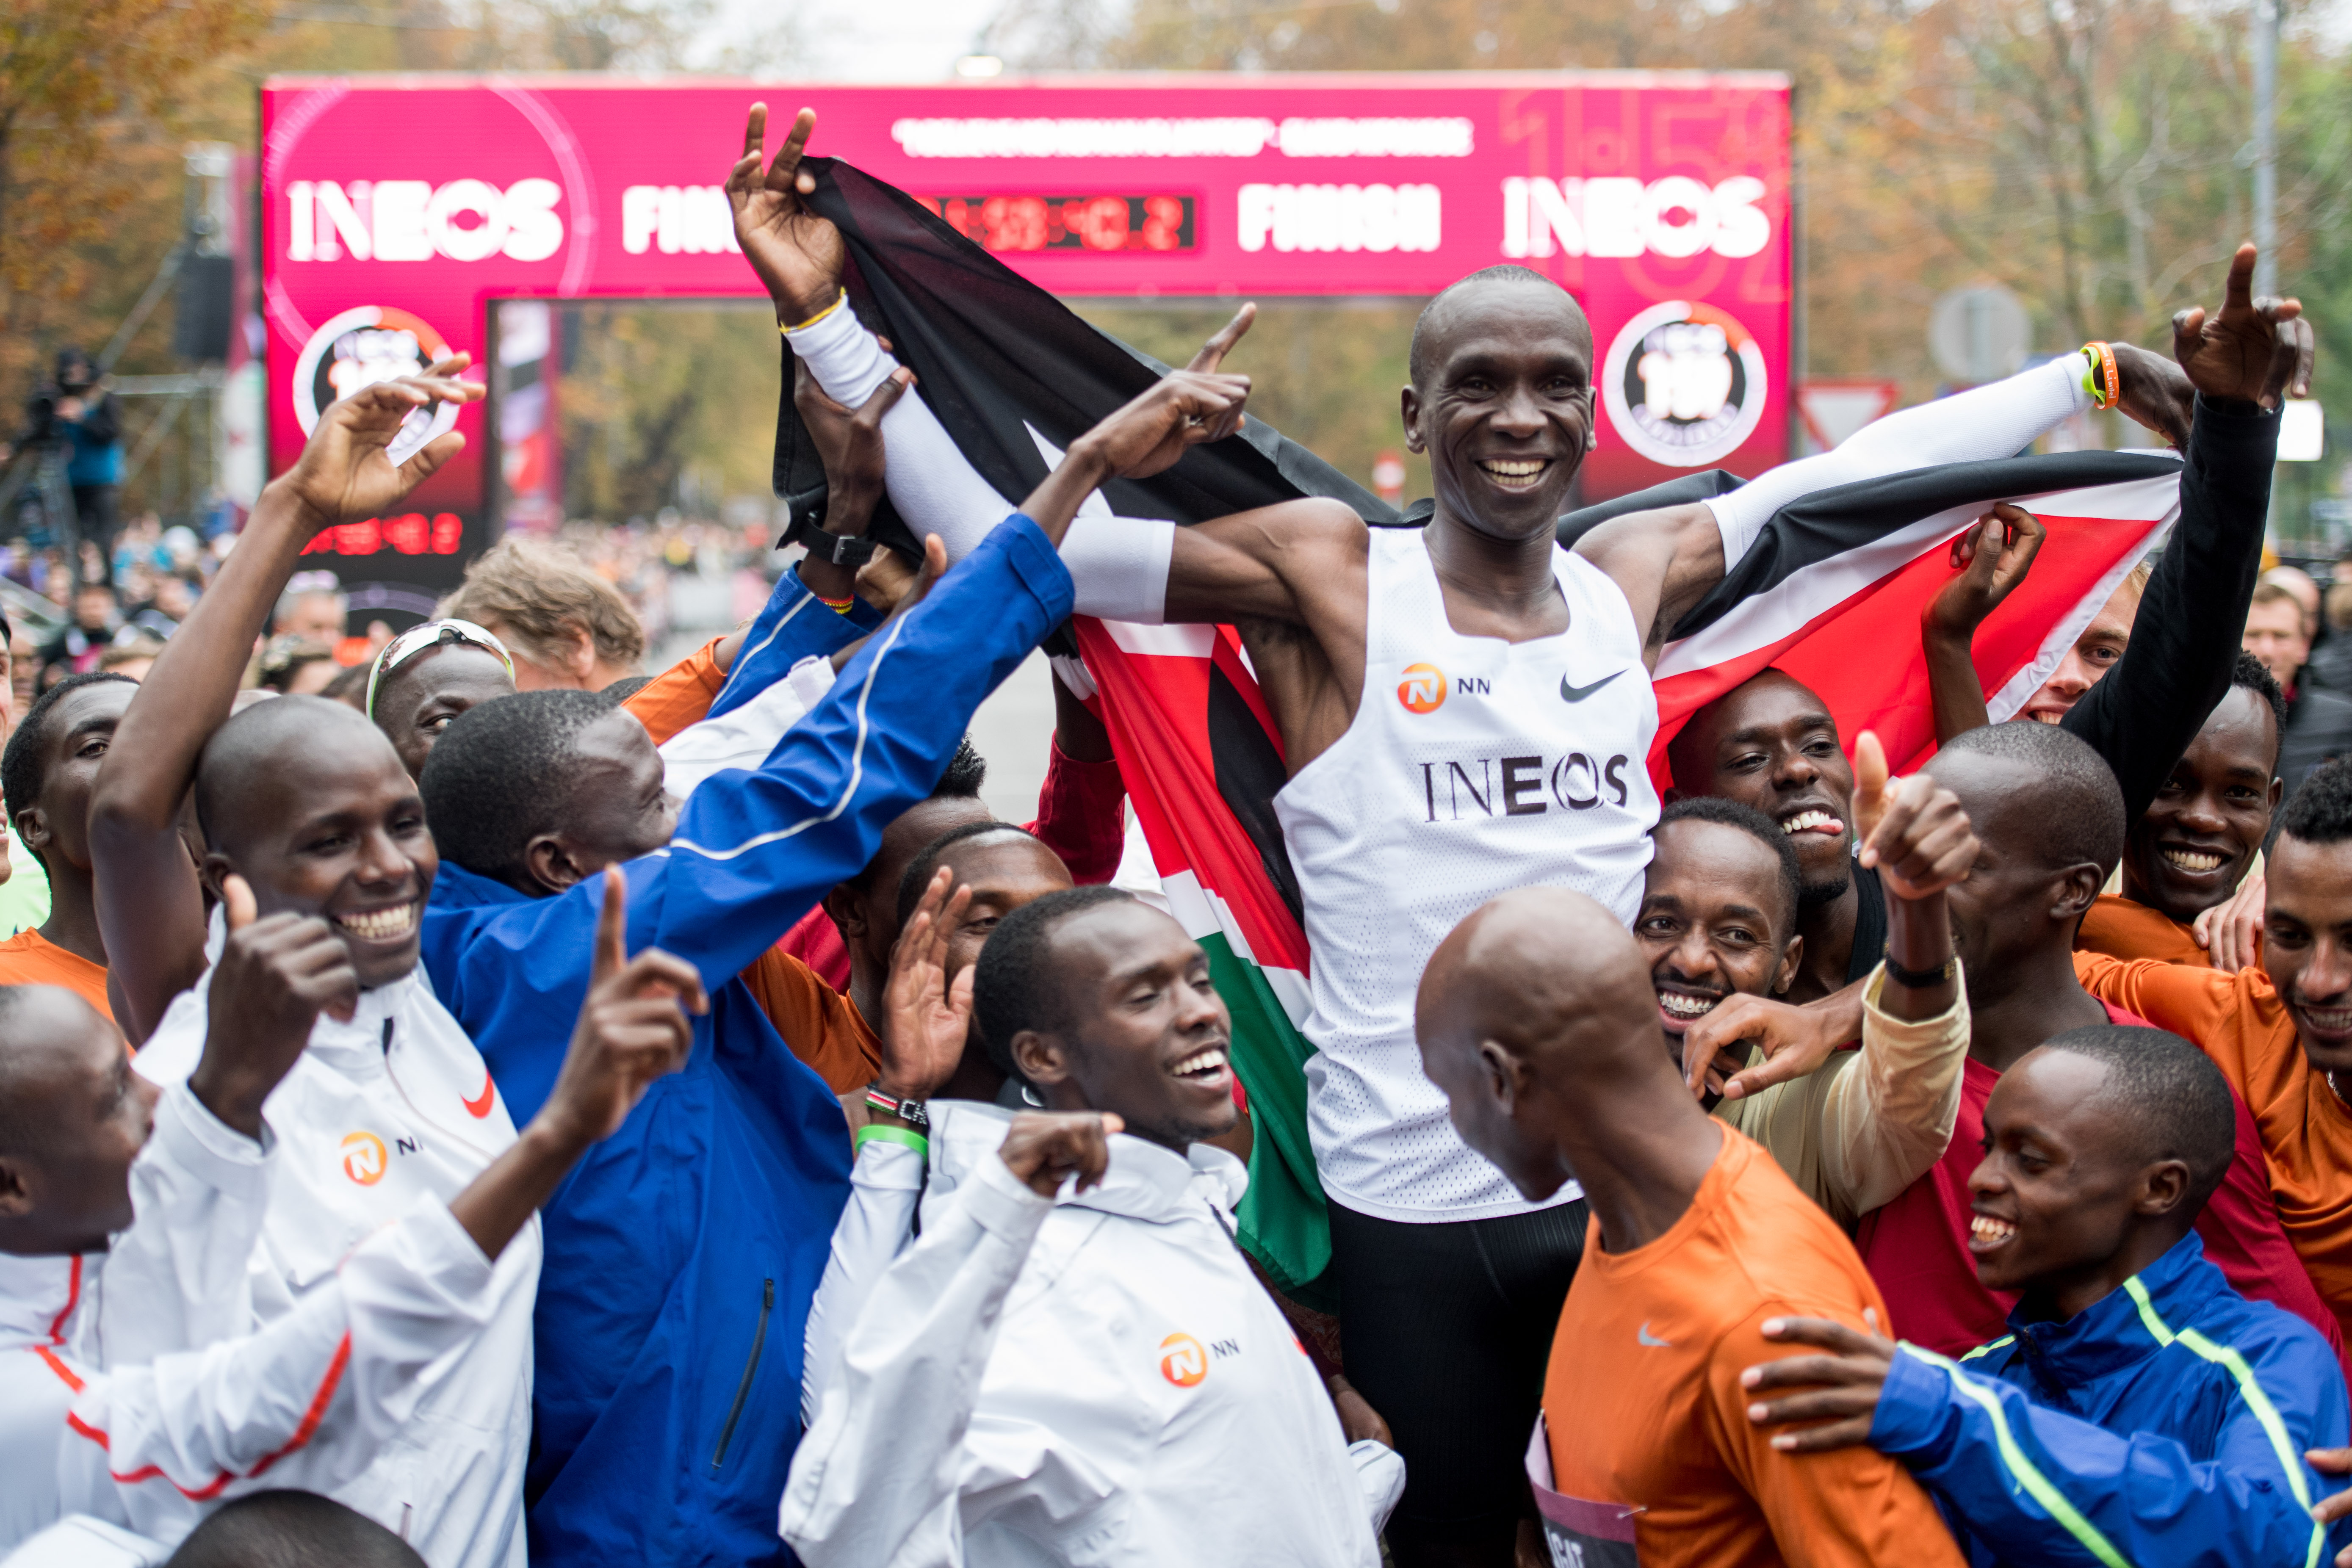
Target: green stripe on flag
(1281, 1219)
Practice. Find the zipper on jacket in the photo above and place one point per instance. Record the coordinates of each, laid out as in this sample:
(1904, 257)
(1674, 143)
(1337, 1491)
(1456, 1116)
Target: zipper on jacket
(750, 1367)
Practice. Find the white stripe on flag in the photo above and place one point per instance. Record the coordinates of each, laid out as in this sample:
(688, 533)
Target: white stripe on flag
(1202, 913)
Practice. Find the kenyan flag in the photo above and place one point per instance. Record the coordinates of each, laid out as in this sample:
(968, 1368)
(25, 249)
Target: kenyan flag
(1831, 591)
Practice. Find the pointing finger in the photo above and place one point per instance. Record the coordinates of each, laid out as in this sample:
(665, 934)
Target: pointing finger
(755, 131)
(612, 922)
(1214, 352)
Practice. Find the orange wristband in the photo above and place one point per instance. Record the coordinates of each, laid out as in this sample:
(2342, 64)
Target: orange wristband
(2108, 385)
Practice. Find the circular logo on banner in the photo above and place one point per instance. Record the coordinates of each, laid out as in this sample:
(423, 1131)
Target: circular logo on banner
(1685, 383)
(1182, 1362)
(359, 348)
(1422, 689)
(363, 1158)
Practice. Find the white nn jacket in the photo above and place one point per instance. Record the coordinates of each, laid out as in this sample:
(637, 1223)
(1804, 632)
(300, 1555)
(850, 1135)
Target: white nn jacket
(381, 1115)
(308, 1400)
(1096, 1379)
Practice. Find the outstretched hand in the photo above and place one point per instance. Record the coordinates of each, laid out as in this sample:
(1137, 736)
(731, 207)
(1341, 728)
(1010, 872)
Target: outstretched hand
(2252, 351)
(632, 1028)
(797, 253)
(849, 443)
(1185, 408)
(1847, 1383)
(275, 977)
(1211, 357)
(926, 1019)
(346, 470)
(1046, 1148)
(1992, 557)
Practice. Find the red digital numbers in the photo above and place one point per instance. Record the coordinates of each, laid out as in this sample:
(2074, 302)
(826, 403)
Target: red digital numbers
(1101, 224)
(411, 534)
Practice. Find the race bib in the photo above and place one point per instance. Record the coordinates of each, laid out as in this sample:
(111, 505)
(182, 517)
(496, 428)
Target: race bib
(1579, 1532)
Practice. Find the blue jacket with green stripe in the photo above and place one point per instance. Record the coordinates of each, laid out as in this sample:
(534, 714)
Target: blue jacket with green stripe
(2165, 1425)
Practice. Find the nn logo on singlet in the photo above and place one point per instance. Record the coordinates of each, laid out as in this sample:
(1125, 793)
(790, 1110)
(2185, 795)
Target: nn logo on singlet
(1522, 786)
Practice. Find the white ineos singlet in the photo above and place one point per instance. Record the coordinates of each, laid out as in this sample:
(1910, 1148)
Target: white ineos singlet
(1473, 766)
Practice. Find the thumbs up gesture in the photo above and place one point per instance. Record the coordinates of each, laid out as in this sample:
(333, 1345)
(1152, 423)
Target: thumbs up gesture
(276, 975)
(1912, 831)
(632, 1029)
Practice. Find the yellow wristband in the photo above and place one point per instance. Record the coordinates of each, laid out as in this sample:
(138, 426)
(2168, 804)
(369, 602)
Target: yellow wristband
(802, 326)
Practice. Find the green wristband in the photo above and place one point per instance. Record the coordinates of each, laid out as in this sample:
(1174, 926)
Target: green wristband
(907, 1135)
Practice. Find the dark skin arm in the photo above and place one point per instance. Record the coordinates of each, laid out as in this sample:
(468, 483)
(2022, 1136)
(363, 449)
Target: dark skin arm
(1991, 559)
(149, 908)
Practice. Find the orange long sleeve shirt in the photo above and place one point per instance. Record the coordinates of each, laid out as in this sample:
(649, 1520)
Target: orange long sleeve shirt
(2239, 1021)
(1650, 1439)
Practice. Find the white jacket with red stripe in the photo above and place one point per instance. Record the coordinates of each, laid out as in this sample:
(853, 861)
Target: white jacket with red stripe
(308, 1400)
(381, 1115)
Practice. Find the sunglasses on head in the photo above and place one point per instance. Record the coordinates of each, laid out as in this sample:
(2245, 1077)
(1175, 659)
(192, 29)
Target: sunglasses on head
(431, 634)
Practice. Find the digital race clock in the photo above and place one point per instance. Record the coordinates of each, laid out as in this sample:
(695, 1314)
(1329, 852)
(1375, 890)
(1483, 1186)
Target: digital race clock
(1071, 223)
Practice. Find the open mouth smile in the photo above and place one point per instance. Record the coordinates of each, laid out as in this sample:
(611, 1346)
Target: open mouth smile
(396, 923)
(1986, 1233)
(1515, 473)
(1811, 820)
(1206, 1068)
(2191, 860)
(1677, 1009)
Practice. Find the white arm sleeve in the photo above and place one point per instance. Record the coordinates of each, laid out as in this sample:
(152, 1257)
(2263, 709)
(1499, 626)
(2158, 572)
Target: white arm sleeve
(177, 1279)
(877, 1481)
(884, 1185)
(307, 1402)
(1994, 421)
(1118, 565)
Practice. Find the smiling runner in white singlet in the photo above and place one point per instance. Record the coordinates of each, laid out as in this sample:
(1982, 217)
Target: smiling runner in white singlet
(1473, 766)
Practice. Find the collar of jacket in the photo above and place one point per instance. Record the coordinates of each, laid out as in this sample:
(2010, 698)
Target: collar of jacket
(1146, 1181)
(358, 1045)
(455, 888)
(2116, 1332)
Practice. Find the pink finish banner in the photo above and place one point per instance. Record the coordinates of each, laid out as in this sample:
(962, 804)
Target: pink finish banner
(397, 208)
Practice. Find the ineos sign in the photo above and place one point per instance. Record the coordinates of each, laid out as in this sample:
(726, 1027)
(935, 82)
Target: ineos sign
(414, 220)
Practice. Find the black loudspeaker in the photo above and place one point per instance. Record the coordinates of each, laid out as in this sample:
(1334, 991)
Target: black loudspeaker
(205, 308)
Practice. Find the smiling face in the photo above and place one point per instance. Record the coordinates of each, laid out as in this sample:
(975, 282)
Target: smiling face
(2062, 1199)
(80, 1117)
(1505, 408)
(2190, 850)
(415, 702)
(324, 821)
(1771, 743)
(1714, 920)
(2097, 650)
(2307, 944)
(1145, 1035)
(79, 730)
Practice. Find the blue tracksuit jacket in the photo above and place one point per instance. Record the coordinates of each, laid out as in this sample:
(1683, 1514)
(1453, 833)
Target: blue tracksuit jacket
(683, 1253)
(2165, 1425)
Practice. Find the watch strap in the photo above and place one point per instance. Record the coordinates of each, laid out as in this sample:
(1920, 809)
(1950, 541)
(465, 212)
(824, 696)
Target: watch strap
(1921, 979)
(849, 549)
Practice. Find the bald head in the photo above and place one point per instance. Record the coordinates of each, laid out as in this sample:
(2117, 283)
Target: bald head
(72, 1118)
(1468, 301)
(284, 739)
(1537, 1017)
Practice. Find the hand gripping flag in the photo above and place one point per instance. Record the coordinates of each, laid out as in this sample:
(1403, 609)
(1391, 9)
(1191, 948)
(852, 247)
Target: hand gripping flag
(1832, 591)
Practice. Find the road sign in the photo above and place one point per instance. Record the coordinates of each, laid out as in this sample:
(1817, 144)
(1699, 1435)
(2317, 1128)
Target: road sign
(1980, 334)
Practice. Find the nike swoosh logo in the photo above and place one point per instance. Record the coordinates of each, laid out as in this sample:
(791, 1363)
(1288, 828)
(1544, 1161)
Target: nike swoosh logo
(1579, 693)
(482, 1107)
(1645, 1337)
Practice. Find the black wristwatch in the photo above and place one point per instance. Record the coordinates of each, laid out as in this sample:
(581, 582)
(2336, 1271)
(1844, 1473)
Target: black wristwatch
(852, 551)
(1921, 979)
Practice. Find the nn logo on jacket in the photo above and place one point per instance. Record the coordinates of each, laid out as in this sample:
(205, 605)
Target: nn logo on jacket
(1183, 1361)
(364, 1159)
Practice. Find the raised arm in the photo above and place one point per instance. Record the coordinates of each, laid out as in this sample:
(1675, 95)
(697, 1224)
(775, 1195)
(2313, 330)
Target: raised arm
(149, 909)
(2242, 360)
(1667, 560)
(1889, 1117)
(878, 1482)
